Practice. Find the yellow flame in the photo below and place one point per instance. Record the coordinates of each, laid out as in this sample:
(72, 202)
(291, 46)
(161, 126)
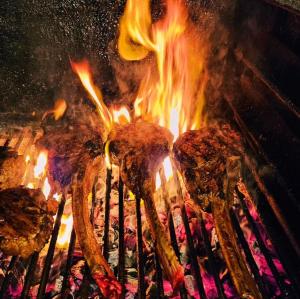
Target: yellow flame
(82, 69)
(65, 231)
(30, 186)
(107, 156)
(173, 98)
(121, 115)
(46, 189)
(168, 168)
(157, 181)
(60, 107)
(40, 166)
(57, 196)
(27, 159)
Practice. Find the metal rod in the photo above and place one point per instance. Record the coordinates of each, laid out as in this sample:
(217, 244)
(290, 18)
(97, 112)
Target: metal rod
(121, 264)
(211, 261)
(51, 249)
(107, 214)
(261, 244)
(159, 278)
(8, 276)
(182, 290)
(141, 274)
(29, 275)
(68, 264)
(190, 242)
(250, 260)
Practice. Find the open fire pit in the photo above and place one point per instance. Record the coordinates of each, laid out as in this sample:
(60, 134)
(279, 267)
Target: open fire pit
(167, 189)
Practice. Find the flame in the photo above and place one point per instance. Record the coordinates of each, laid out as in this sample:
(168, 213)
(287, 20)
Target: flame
(30, 186)
(46, 188)
(60, 107)
(40, 166)
(121, 115)
(174, 98)
(107, 156)
(82, 69)
(65, 231)
(168, 168)
(57, 196)
(157, 181)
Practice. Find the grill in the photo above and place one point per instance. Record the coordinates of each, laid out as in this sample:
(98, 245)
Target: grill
(22, 141)
(258, 92)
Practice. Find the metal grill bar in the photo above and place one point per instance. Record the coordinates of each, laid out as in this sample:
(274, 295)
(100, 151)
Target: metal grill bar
(50, 253)
(8, 276)
(107, 213)
(248, 254)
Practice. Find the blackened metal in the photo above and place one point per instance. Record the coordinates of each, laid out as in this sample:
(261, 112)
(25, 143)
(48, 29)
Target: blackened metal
(248, 254)
(264, 250)
(8, 276)
(92, 218)
(51, 249)
(211, 261)
(121, 264)
(141, 273)
(192, 251)
(159, 278)
(29, 275)
(68, 265)
(107, 214)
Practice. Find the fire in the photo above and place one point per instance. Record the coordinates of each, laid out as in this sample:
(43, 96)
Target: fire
(107, 156)
(168, 168)
(157, 181)
(82, 69)
(46, 188)
(65, 231)
(174, 98)
(121, 115)
(40, 166)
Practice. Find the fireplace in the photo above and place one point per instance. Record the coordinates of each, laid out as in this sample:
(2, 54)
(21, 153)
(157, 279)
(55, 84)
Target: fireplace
(251, 74)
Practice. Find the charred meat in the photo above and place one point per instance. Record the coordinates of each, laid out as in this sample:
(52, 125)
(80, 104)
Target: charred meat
(26, 221)
(209, 160)
(139, 148)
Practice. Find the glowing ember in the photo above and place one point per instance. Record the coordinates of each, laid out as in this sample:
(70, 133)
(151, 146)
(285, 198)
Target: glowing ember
(41, 163)
(65, 231)
(46, 188)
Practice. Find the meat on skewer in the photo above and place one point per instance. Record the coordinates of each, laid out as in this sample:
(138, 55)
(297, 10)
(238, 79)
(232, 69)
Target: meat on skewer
(72, 161)
(139, 148)
(209, 161)
(26, 221)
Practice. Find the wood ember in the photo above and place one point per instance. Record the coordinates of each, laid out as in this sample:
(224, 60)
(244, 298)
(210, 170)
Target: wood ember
(12, 168)
(139, 148)
(26, 221)
(208, 159)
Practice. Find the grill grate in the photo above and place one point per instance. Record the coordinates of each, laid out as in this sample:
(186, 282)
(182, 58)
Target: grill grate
(22, 141)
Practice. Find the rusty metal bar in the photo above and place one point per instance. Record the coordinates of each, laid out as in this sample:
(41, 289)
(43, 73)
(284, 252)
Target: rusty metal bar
(8, 276)
(29, 275)
(107, 214)
(141, 274)
(68, 264)
(51, 249)
(250, 260)
(121, 264)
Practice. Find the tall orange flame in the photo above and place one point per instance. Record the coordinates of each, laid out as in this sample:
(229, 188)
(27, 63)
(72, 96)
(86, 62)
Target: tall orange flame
(83, 70)
(175, 99)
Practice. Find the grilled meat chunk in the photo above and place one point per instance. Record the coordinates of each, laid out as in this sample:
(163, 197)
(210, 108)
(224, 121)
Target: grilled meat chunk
(209, 161)
(26, 221)
(12, 168)
(139, 148)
